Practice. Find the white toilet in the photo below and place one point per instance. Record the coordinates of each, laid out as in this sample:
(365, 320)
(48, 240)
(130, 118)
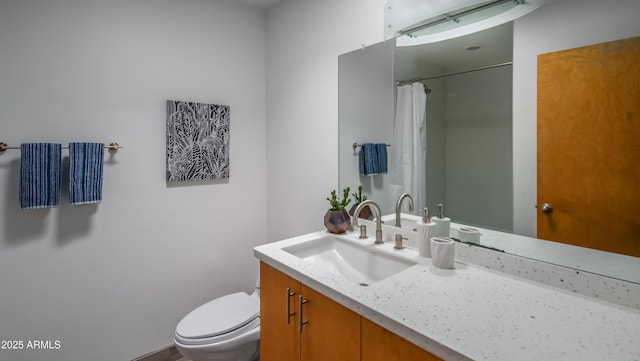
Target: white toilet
(225, 329)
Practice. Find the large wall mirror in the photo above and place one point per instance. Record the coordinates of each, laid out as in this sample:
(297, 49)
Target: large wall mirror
(469, 160)
(468, 122)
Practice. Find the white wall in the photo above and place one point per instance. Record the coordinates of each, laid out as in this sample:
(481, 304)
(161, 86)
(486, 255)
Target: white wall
(304, 39)
(110, 282)
(569, 24)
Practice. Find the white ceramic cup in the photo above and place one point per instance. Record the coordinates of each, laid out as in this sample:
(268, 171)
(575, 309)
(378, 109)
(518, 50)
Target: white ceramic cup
(442, 252)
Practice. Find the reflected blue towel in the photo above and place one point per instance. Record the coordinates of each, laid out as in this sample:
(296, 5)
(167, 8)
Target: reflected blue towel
(368, 159)
(40, 165)
(86, 161)
(373, 159)
(381, 152)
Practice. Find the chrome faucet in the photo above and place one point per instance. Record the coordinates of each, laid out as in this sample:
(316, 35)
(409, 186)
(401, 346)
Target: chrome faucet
(399, 206)
(376, 208)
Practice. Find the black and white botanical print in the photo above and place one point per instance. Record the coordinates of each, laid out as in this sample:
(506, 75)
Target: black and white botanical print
(197, 141)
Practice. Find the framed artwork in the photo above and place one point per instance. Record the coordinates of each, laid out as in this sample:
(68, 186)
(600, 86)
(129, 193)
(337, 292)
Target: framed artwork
(197, 141)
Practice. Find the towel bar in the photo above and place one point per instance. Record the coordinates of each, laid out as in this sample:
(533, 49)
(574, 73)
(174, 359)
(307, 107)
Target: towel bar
(113, 146)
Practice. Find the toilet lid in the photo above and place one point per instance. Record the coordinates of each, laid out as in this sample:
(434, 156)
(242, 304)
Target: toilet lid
(219, 316)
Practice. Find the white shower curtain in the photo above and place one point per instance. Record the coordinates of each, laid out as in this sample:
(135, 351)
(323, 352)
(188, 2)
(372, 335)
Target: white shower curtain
(407, 168)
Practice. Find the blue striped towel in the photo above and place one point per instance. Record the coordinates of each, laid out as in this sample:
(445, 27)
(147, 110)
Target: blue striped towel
(86, 161)
(40, 165)
(381, 151)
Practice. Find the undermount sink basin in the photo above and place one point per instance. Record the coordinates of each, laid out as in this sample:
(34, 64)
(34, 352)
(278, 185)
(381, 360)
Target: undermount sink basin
(407, 221)
(357, 263)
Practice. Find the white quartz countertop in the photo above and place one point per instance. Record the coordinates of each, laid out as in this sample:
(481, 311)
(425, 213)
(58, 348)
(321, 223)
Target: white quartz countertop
(473, 313)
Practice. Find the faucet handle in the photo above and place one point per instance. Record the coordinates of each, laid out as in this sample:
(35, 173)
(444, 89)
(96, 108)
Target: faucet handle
(363, 232)
(399, 239)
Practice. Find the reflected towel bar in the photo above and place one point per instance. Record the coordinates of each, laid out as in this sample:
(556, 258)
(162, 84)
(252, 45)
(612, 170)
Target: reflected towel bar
(356, 145)
(113, 147)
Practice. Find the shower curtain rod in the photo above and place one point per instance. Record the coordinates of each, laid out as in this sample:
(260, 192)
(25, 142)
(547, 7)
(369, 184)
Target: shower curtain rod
(419, 80)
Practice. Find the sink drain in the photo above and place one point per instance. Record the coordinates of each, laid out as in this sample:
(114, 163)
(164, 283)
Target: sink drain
(364, 284)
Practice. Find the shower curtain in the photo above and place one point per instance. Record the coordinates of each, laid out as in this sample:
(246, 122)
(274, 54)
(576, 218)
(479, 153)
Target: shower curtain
(407, 159)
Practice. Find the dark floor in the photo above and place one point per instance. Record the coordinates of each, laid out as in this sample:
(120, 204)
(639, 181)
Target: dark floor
(166, 354)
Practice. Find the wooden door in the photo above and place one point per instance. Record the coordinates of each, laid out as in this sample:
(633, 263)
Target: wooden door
(589, 146)
(332, 331)
(279, 337)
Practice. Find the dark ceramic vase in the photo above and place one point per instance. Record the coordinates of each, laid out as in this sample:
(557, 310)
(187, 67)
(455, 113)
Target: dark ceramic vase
(337, 221)
(365, 213)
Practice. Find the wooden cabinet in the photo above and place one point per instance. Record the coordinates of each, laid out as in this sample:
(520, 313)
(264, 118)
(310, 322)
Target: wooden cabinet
(332, 331)
(380, 344)
(279, 336)
(298, 323)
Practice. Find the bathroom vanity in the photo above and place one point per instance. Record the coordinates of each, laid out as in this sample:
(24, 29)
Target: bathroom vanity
(314, 327)
(375, 299)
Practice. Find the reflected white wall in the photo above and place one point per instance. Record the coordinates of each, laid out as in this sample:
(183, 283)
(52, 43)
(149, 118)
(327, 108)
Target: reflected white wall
(478, 149)
(366, 90)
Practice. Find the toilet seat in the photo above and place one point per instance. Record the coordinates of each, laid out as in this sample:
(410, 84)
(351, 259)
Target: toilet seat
(218, 320)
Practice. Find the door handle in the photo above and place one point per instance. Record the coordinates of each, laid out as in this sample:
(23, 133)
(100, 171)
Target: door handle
(547, 208)
(288, 308)
(301, 320)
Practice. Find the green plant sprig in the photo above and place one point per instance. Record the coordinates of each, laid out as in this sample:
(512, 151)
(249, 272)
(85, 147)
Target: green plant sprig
(359, 197)
(336, 204)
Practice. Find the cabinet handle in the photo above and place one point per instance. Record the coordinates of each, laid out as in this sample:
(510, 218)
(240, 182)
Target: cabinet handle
(289, 313)
(301, 320)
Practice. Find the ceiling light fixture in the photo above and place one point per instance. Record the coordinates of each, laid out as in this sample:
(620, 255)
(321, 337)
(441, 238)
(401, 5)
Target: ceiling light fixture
(419, 22)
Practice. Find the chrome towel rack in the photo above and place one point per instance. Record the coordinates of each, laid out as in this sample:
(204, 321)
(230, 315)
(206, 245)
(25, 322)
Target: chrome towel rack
(112, 147)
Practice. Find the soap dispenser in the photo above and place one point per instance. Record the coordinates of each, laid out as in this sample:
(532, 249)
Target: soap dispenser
(426, 230)
(443, 224)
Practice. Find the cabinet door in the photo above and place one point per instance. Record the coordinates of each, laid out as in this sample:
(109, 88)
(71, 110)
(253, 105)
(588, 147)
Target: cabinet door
(332, 332)
(379, 344)
(279, 337)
